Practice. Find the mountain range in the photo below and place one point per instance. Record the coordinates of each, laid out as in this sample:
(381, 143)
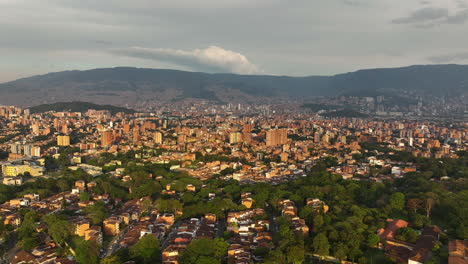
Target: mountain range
(132, 86)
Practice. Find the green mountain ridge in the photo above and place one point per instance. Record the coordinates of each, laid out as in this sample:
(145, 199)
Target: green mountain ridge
(126, 85)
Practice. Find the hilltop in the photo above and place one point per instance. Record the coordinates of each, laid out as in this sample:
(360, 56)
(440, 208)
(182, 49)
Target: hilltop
(136, 86)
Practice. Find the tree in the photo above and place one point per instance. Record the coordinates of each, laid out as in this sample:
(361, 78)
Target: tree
(276, 257)
(429, 203)
(147, 189)
(58, 228)
(146, 205)
(167, 206)
(84, 196)
(373, 240)
(96, 213)
(63, 185)
(397, 200)
(29, 243)
(321, 245)
(51, 164)
(406, 234)
(261, 251)
(296, 255)
(414, 204)
(341, 251)
(26, 231)
(147, 250)
(114, 259)
(86, 252)
(318, 222)
(204, 251)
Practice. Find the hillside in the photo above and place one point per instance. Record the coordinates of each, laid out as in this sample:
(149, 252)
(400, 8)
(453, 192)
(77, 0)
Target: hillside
(135, 86)
(77, 107)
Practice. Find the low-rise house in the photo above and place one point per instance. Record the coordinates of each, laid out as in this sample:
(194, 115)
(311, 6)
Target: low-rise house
(12, 219)
(12, 180)
(458, 252)
(423, 249)
(317, 204)
(93, 234)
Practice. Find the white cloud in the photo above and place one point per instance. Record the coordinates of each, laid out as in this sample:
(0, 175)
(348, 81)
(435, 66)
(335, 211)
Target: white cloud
(211, 59)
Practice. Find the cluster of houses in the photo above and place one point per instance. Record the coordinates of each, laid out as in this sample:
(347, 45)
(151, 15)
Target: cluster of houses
(188, 230)
(149, 225)
(422, 250)
(249, 231)
(289, 209)
(44, 254)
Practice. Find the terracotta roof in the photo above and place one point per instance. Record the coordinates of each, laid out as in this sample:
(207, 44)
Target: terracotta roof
(458, 251)
(23, 257)
(391, 228)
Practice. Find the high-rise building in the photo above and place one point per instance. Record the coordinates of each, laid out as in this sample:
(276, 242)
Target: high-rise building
(36, 151)
(65, 129)
(136, 134)
(15, 148)
(158, 138)
(63, 140)
(317, 137)
(277, 137)
(106, 138)
(35, 128)
(56, 122)
(247, 137)
(27, 149)
(325, 139)
(247, 128)
(343, 139)
(235, 137)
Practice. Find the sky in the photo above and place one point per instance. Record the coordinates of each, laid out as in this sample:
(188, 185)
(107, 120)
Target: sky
(277, 37)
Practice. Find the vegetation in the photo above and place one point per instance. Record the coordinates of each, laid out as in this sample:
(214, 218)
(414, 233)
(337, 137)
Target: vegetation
(344, 113)
(147, 250)
(347, 231)
(78, 107)
(204, 251)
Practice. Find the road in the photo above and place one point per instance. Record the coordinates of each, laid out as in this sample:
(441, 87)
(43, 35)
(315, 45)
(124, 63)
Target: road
(220, 227)
(115, 243)
(272, 218)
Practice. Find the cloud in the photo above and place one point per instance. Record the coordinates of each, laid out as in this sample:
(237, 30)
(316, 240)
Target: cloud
(431, 16)
(351, 2)
(103, 42)
(462, 3)
(423, 15)
(458, 18)
(212, 59)
(449, 58)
